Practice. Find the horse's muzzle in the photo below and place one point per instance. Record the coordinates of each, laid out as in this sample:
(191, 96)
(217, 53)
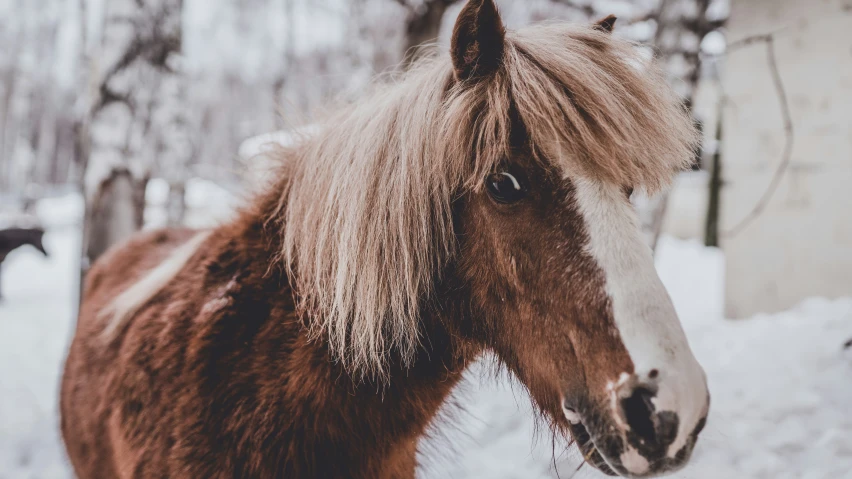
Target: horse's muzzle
(636, 434)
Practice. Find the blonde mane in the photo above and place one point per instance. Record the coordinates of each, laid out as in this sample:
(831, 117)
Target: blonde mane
(367, 211)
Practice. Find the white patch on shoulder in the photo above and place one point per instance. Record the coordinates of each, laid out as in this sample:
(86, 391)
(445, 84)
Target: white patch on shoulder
(221, 299)
(130, 300)
(643, 311)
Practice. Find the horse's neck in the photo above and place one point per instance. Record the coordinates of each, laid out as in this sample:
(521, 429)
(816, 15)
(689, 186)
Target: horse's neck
(366, 425)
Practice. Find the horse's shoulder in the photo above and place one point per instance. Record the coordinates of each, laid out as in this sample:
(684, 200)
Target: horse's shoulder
(127, 261)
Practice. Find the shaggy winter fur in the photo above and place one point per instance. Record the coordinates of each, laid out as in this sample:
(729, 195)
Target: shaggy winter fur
(130, 300)
(404, 269)
(376, 187)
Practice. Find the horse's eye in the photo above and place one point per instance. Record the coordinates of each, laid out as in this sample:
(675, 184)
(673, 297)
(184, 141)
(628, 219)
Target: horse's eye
(505, 187)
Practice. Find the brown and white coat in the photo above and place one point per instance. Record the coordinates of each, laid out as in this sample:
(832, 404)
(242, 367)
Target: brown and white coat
(478, 204)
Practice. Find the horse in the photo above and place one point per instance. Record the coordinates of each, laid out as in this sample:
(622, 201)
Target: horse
(478, 204)
(16, 237)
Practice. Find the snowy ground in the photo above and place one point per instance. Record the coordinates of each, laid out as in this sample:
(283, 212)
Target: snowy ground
(781, 384)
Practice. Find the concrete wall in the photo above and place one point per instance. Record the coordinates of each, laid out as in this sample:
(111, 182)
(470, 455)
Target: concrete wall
(801, 245)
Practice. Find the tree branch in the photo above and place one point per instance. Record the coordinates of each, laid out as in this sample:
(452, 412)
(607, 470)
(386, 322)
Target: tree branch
(749, 40)
(411, 8)
(789, 133)
(588, 10)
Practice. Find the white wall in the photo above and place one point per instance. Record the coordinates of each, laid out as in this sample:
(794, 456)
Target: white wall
(802, 244)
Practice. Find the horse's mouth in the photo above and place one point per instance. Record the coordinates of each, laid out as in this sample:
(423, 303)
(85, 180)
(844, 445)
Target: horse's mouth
(591, 455)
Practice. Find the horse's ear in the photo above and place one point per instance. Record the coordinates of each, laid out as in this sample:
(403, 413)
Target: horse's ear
(478, 40)
(606, 24)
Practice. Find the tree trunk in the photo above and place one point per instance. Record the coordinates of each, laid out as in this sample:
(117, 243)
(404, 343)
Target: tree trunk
(711, 226)
(673, 25)
(176, 204)
(133, 80)
(116, 211)
(9, 83)
(422, 27)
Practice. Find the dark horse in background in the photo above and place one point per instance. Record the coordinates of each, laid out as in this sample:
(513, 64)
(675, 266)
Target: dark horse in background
(479, 204)
(14, 238)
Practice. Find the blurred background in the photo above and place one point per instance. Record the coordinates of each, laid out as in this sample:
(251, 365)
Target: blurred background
(117, 115)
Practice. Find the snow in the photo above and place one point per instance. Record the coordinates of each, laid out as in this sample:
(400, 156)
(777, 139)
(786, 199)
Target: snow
(269, 142)
(780, 383)
(781, 394)
(256, 153)
(36, 321)
(714, 43)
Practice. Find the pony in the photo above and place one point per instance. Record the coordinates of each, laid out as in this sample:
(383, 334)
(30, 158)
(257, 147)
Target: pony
(478, 204)
(14, 238)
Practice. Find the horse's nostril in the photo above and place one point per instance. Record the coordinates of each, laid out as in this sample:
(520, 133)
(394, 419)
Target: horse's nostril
(639, 411)
(653, 429)
(666, 424)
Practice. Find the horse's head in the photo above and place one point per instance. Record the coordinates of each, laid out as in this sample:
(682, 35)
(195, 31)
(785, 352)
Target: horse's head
(563, 125)
(492, 193)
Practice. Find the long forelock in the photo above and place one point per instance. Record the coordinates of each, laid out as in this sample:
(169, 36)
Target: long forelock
(367, 218)
(595, 107)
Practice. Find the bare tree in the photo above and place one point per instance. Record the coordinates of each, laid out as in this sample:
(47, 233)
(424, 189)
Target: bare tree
(681, 26)
(422, 25)
(128, 126)
(8, 83)
(711, 220)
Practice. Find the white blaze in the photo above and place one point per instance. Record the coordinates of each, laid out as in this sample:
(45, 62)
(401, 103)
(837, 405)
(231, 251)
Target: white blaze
(644, 314)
